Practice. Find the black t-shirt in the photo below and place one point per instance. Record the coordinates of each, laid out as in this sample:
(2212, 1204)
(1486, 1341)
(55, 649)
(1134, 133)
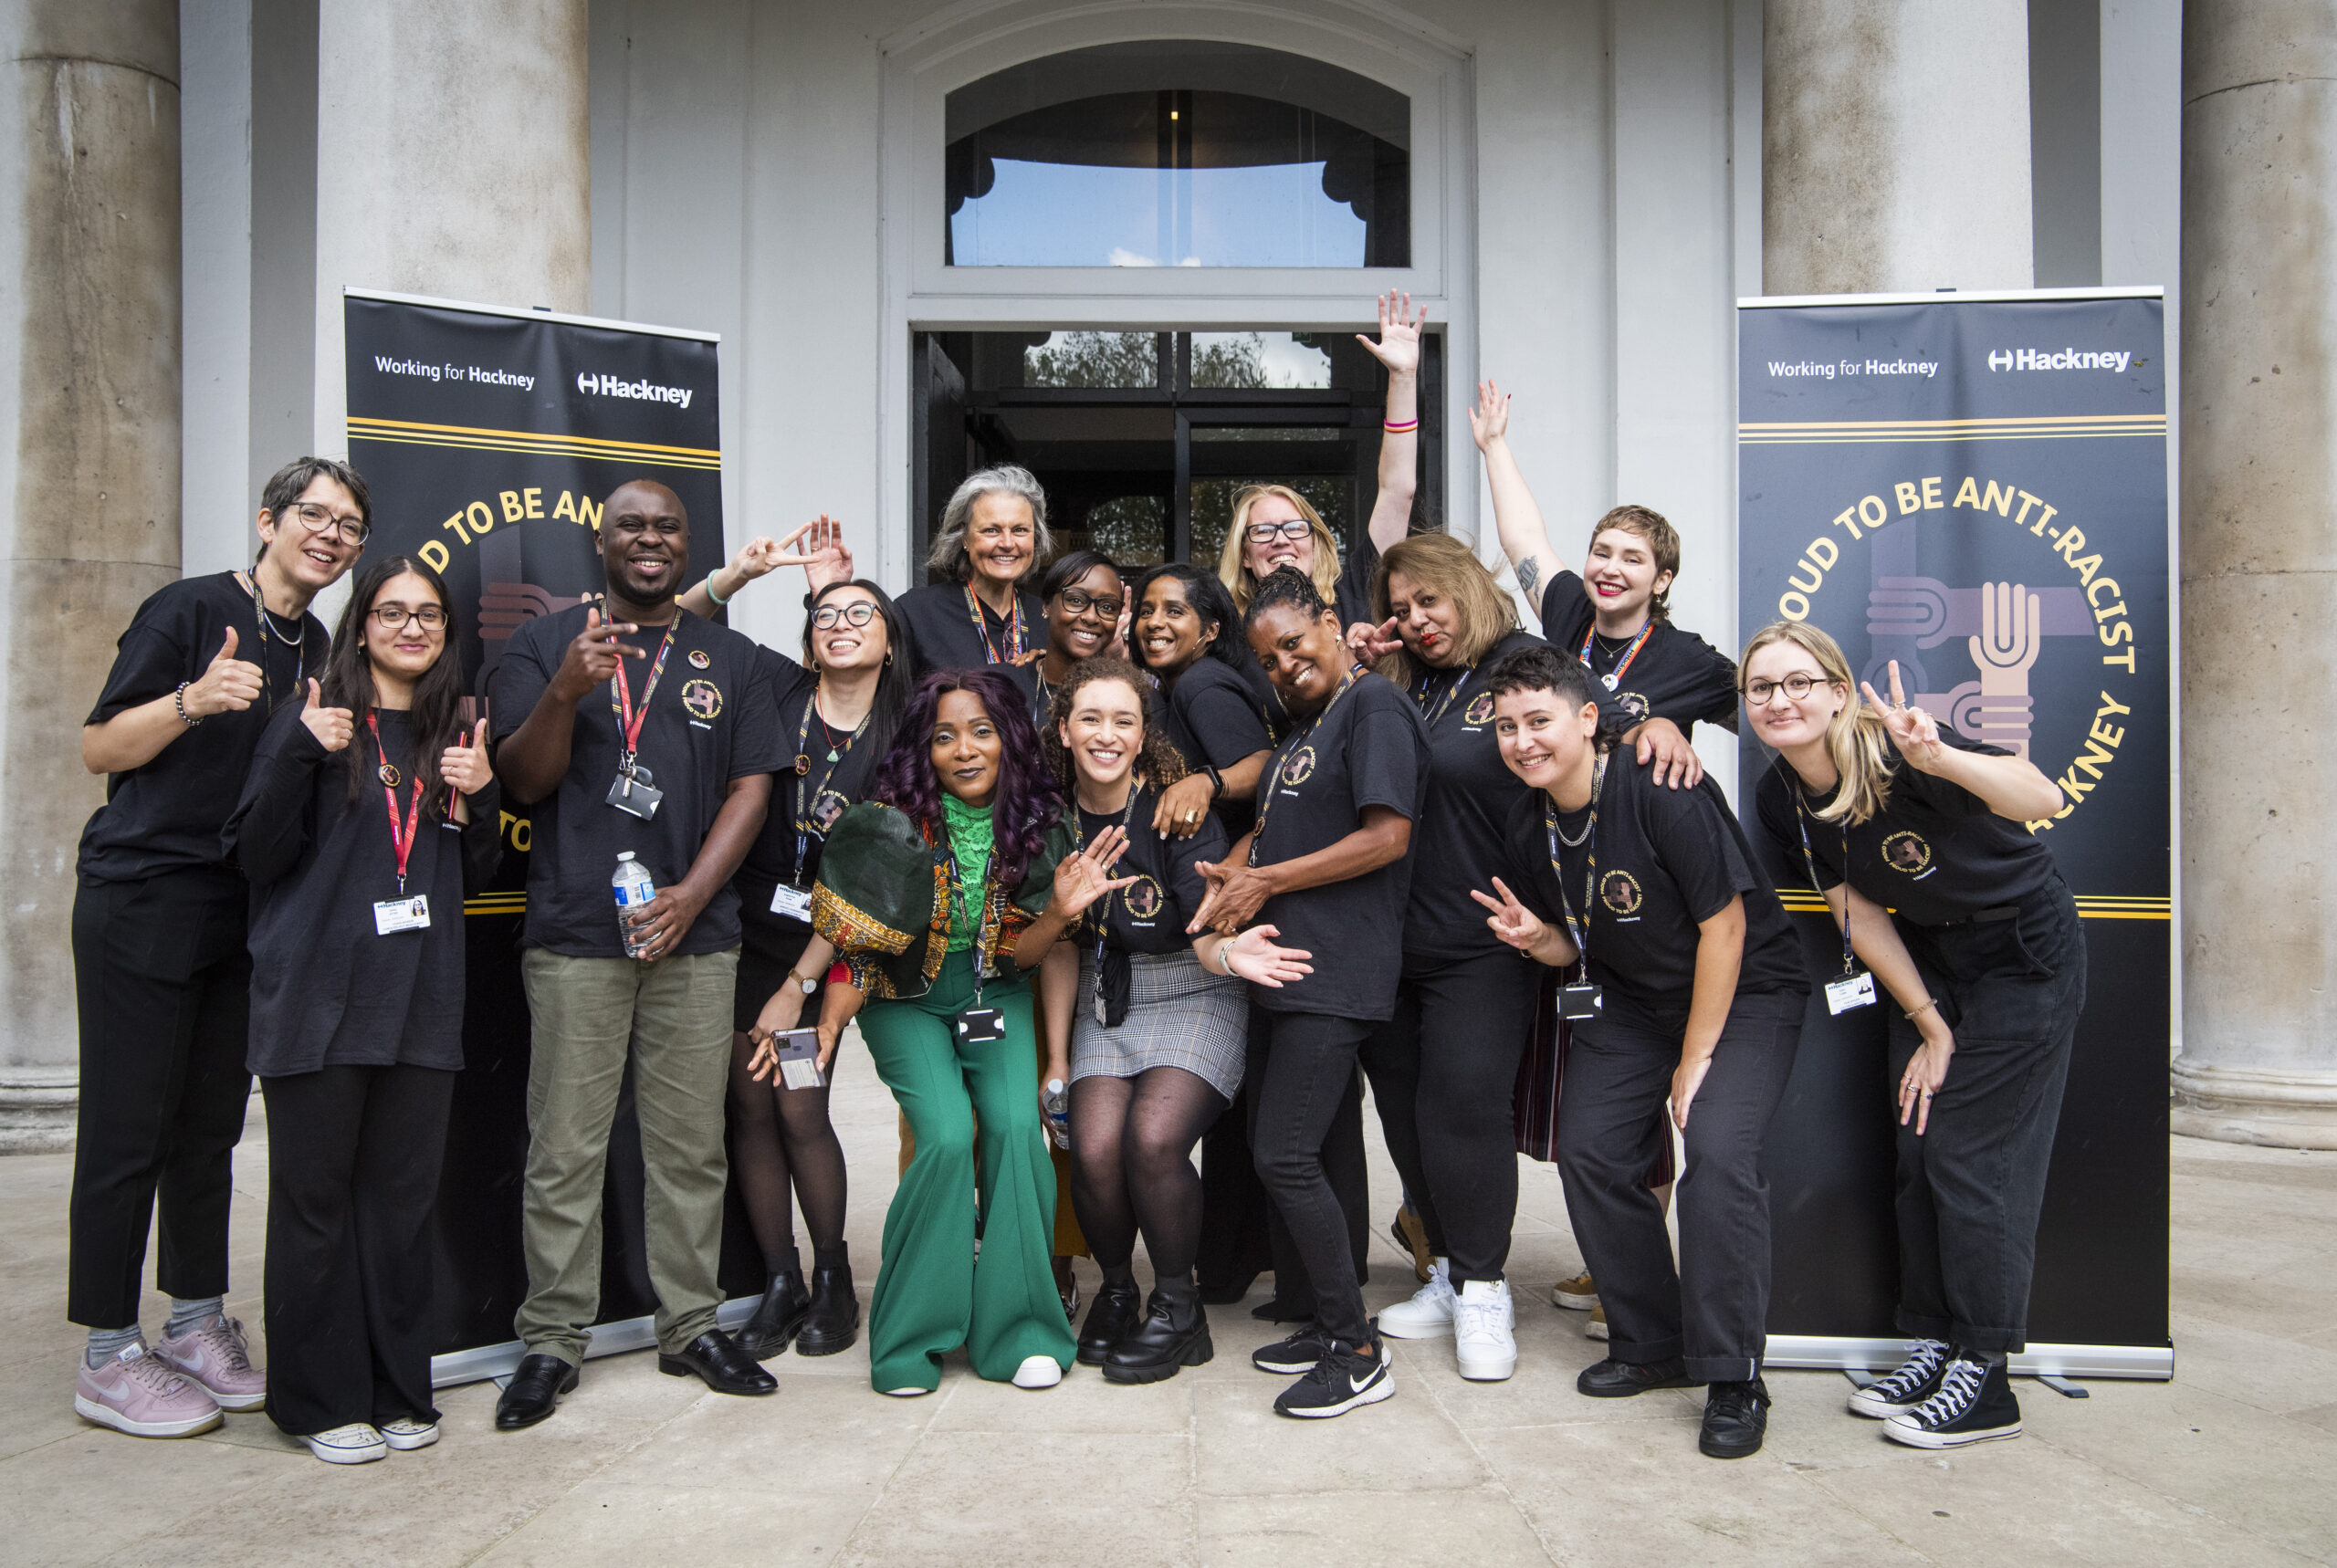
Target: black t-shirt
(1151, 917)
(1667, 861)
(167, 814)
(709, 721)
(1676, 675)
(329, 988)
(803, 804)
(1459, 841)
(1212, 715)
(942, 635)
(1935, 853)
(1369, 748)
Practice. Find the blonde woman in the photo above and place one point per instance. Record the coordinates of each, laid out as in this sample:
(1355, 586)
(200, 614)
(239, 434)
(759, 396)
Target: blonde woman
(1443, 1065)
(1916, 837)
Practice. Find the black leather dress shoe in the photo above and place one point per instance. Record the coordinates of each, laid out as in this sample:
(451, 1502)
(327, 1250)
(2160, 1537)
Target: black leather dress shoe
(1118, 1308)
(775, 1317)
(534, 1391)
(714, 1357)
(834, 1321)
(1612, 1379)
(1736, 1417)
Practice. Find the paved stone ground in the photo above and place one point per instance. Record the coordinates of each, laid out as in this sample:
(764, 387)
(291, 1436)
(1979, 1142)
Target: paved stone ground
(2235, 1462)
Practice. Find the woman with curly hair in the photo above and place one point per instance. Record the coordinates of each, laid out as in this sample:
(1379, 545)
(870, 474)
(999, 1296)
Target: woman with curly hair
(1156, 1051)
(943, 892)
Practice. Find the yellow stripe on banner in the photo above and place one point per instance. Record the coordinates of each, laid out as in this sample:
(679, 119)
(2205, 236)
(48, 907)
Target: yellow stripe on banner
(1928, 439)
(1868, 432)
(497, 904)
(2090, 906)
(634, 446)
(2098, 419)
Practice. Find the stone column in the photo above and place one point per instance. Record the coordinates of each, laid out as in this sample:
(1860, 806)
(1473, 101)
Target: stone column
(1894, 146)
(2259, 573)
(88, 465)
(452, 159)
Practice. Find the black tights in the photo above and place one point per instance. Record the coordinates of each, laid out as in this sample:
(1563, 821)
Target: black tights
(780, 1136)
(1132, 1166)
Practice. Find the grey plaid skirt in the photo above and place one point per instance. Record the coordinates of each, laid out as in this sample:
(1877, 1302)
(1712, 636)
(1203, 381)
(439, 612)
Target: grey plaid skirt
(1179, 1015)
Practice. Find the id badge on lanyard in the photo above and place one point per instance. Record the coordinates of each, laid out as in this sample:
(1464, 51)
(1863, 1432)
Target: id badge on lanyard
(1854, 986)
(1585, 1000)
(633, 791)
(402, 913)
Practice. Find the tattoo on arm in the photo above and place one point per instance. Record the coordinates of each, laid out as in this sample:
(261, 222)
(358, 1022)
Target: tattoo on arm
(1529, 575)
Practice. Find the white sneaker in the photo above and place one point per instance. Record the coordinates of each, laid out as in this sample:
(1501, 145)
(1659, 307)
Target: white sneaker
(1429, 1315)
(355, 1444)
(1037, 1372)
(1483, 1317)
(407, 1433)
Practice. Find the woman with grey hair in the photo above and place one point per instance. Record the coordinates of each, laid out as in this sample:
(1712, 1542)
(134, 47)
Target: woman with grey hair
(993, 538)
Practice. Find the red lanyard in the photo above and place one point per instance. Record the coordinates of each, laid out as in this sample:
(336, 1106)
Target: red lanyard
(402, 843)
(1014, 626)
(630, 718)
(1629, 654)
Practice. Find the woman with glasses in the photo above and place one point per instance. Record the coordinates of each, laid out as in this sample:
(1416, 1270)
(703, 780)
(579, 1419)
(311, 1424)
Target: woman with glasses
(1084, 601)
(1918, 840)
(993, 536)
(160, 971)
(368, 814)
(1275, 527)
(838, 718)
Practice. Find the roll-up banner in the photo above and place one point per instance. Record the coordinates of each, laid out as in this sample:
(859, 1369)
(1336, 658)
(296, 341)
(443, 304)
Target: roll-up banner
(490, 439)
(1975, 486)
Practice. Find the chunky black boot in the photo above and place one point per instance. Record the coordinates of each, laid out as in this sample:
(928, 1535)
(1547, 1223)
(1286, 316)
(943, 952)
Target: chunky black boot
(775, 1317)
(1118, 1308)
(1173, 1334)
(834, 1320)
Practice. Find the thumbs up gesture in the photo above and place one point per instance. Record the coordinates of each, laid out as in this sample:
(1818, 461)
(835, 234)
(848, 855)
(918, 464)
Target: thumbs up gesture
(228, 684)
(465, 766)
(333, 727)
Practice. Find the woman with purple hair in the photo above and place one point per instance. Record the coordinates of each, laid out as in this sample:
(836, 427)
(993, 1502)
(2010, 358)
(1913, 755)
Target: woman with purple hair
(942, 892)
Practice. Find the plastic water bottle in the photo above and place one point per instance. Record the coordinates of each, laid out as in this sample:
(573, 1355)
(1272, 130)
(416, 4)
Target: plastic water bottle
(1057, 1104)
(632, 886)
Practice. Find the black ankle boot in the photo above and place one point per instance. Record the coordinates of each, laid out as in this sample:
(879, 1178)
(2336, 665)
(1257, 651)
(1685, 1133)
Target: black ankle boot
(1174, 1333)
(1118, 1308)
(775, 1317)
(835, 1319)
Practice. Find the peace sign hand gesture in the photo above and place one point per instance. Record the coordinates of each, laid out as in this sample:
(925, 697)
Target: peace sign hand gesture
(1520, 927)
(464, 766)
(1915, 732)
(1082, 878)
(1398, 348)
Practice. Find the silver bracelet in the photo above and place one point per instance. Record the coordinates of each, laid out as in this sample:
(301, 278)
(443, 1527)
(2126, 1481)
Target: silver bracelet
(178, 699)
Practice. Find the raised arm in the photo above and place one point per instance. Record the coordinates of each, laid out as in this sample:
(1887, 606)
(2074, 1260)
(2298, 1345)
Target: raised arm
(823, 557)
(1524, 538)
(1398, 348)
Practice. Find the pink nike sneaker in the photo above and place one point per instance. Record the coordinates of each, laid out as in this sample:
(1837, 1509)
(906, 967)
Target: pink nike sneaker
(215, 1356)
(138, 1393)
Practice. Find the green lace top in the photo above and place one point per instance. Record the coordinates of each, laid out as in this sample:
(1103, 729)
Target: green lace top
(970, 843)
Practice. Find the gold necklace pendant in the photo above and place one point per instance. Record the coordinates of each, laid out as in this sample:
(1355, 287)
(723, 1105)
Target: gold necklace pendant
(389, 775)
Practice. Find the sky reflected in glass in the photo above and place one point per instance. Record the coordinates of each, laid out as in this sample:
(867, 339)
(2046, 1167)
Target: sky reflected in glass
(1071, 215)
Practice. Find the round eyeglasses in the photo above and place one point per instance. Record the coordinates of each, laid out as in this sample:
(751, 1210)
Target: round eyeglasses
(394, 616)
(1796, 686)
(828, 617)
(1292, 528)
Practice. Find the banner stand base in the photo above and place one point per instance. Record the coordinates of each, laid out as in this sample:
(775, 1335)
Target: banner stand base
(1845, 1353)
(486, 1360)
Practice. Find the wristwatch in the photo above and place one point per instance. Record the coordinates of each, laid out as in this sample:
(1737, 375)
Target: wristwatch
(807, 984)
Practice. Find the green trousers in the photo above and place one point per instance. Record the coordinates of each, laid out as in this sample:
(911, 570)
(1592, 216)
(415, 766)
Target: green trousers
(672, 1020)
(932, 1296)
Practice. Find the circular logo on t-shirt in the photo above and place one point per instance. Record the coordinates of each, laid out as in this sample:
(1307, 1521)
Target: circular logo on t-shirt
(1480, 709)
(1300, 767)
(1906, 852)
(1620, 891)
(703, 698)
(700, 659)
(827, 806)
(1634, 704)
(1144, 899)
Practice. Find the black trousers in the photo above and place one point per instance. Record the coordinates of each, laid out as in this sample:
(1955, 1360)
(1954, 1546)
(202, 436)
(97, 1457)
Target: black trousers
(1713, 1309)
(165, 985)
(354, 1160)
(1443, 1071)
(1301, 1066)
(1970, 1188)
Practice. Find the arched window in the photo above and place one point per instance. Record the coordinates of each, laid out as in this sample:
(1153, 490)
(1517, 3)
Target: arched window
(1178, 154)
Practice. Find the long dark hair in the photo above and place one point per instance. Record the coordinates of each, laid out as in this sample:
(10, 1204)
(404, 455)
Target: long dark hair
(1158, 763)
(1027, 802)
(892, 681)
(435, 721)
(1209, 601)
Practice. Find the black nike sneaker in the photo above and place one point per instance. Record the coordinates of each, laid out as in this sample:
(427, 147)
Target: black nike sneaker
(1298, 1353)
(1344, 1379)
